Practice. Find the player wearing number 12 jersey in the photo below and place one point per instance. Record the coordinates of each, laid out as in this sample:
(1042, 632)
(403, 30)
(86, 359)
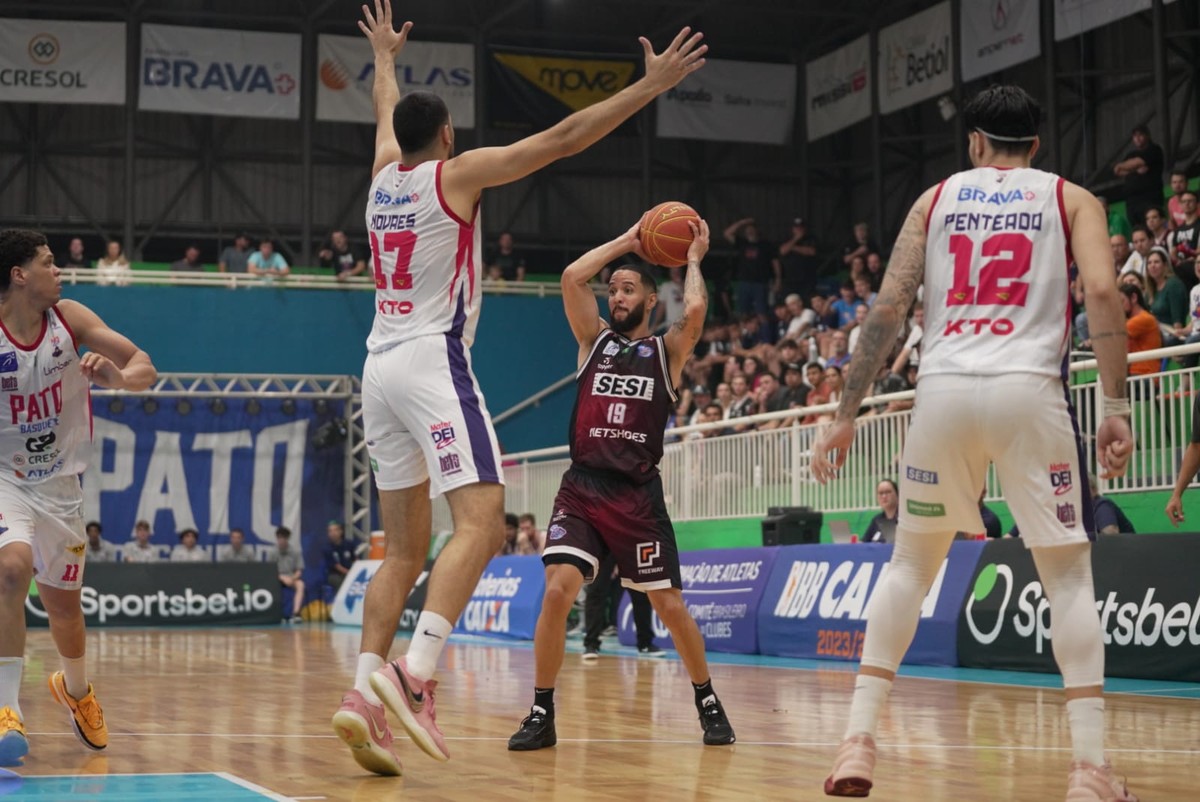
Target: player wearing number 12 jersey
(993, 246)
(427, 426)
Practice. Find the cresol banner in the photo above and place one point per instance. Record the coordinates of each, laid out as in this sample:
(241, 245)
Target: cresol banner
(53, 61)
(915, 59)
(348, 604)
(731, 101)
(507, 599)
(219, 71)
(999, 34)
(347, 73)
(839, 88)
(722, 589)
(1149, 609)
(817, 599)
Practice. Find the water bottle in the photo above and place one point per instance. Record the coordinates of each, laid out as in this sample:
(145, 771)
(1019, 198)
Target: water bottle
(813, 353)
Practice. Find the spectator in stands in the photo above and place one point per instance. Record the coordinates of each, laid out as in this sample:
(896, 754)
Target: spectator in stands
(839, 355)
(1142, 170)
(190, 263)
(266, 262)
(1117, 223)
(1176, 216)
(1191, 360)
(140, 549)
(187, 551)
(338, 555)
(724, 399)
(1185, 240)
(875, 269)
(75, 260)
(882, 528)
(512, 525)
(845, 305)
(290, 564)
(709, 413)
(236, 551)
(1188, 468)
(1156, 224)
(742, 403)
(910, 352)
(1109, 518)
(1170, 304)
(1142, 328)
(113, 267)
(799, 262)
(1142, 242)
(859, 245)
(814, 375)
(862, 290)
(236, 257)
(669, 308)
(757, 267)
(342, 257)
(701, 397)
(827, 316)
(860, 317)
(529, 539)
(801, 321)
(505, 259)
(767, 399)
(833, 380)
(712, 350)
(1119, 246)
(603, 597)
(98, 549)
(794, 393)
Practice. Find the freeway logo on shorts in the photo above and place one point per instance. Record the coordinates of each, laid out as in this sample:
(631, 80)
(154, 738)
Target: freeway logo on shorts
(926, 510)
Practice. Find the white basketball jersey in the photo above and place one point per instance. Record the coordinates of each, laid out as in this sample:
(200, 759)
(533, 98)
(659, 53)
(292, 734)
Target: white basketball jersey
(425, 258)
(997, 287)
(48, 428)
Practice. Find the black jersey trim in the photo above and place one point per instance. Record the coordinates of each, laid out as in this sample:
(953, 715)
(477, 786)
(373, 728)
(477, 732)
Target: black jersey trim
(599, 339)
(666, 369)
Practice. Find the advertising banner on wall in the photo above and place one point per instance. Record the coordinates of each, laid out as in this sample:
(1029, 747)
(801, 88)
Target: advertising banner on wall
(915, 59)
(999, 34)
(219, 71)
(347, 605)
(839, 88)
(507, 600)
(56, 61)
(534, 89)
(1073, 17)
(731, 101)
(346, 73)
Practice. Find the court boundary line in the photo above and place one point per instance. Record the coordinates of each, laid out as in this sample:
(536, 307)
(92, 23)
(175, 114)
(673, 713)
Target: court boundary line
(224, 775)
(252, 786)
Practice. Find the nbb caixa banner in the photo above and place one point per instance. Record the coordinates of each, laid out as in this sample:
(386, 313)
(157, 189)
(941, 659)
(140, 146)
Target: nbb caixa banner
(223, 72)
(46, 61)
(507, 600)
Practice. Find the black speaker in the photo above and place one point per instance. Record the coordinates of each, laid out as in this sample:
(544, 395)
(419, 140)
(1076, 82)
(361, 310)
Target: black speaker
(791, 526)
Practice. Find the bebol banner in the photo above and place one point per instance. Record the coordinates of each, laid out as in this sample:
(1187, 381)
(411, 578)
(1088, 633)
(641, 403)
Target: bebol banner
(817, 599)
(1149, 609)
(346, 74)
(507, 599)
(148, 594)
(534, 89)
(839, 88)
(731, 101)
(348, 604)
(998, 35)
(219, 71)
(52, 61)
(914, 59)
(1073, 17)
(722, 589)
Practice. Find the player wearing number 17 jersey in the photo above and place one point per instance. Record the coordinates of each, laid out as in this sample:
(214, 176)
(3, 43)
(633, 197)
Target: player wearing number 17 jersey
(993, 246)
(427, 426)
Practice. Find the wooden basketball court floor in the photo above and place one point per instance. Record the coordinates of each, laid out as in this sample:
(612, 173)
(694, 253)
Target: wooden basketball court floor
(243, 714)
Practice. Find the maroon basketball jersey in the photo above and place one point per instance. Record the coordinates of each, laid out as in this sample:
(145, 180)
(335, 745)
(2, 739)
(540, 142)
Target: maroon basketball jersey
(624, 400)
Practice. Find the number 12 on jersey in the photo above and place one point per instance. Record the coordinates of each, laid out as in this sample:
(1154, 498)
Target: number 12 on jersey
(402, 243)
(1008, 257)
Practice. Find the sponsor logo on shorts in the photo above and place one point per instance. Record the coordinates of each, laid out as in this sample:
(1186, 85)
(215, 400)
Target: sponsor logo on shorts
(449, 464)
(1066, 514)
(443, 434)
(645, 351)
(8, 384)
(918, 475)
(374, 465)
(77, 549)
(926, 510)
(1060, 477)
(556, 533)
(647, 553)
(611, 349)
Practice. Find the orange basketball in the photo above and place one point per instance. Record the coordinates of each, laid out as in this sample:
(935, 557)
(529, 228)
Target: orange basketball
(665, 233)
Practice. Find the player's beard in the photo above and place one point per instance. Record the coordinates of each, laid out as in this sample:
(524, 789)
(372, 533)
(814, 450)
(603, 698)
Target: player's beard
(631, 320)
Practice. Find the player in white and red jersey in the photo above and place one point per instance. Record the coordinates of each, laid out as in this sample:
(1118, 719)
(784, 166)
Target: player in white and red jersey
(993, 246)
(427, 427)
(45, 444)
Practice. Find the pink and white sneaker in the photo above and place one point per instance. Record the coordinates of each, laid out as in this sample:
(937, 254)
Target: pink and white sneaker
(1088, 782)
(853, 768)
(363, 727)
(412, 702)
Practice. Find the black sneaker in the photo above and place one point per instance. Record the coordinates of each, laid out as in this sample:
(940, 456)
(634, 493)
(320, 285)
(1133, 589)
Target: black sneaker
(591, 654)
(652, 651)
(537, 732)
(717, 729)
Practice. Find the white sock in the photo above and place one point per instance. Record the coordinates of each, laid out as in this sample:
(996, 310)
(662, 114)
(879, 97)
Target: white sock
(75, 676)
(1086, 716)
(10, 682)
(428, 640)
(870, 695)
(367, 664)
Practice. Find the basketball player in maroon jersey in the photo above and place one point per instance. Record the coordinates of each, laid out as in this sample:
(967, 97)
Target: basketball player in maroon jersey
(611, 498)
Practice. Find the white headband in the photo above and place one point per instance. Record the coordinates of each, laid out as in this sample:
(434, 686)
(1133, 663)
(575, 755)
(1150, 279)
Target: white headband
(1029, 138)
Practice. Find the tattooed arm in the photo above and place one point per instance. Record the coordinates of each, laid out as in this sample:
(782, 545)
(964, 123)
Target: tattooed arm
(681, 339)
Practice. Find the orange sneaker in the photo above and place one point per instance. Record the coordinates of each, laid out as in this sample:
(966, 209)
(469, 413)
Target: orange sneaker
(1088, 782)
(86, 716)
(14, 744)
(853, 768)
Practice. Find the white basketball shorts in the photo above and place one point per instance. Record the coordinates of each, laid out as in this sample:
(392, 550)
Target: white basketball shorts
(424, 417)
(49, 517)
(1022, 423)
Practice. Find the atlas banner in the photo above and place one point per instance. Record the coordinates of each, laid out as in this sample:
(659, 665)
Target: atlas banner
(999, 34)
(1149, 609)
(838, 89)
(731, 101)
(1073, 17)
(534, 89)
(346, 74)
(818, 596)
(194, 464)
(915, 59)
(224, 72)
(172, 594)
(348, 603)
(722, 589)
(507, 599)
(55, 61)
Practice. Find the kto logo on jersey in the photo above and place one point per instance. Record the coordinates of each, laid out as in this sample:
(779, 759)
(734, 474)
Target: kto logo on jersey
(387, 307)
(647, 553)
(999, 327)
(1001, 198)
(623, 386)
(443, 434)
(385, 199)
(1060, 477)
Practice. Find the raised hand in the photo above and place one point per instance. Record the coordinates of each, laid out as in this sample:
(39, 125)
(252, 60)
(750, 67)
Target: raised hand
(378, 29)
(681, 58)
(632, 241)
(700, 241)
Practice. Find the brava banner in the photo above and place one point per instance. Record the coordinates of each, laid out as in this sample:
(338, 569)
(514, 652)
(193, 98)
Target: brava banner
(54, 61)
(346, 73)
(999, 34)
(731, 101)
(220, 71)
(534, 89)
(839, 88)
(915, 59)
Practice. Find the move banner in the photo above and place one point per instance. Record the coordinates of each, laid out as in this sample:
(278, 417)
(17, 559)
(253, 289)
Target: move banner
(915, 59)
(534, 89)
(817, 599)
(838, 88)
(55, 61)
(999, 34)
(346, 74)
(347, 605)
(1073, 17)
(168, 594)
(1149, 609)
(224, 72)
(731, 101)
(722, 589)
(507, 599)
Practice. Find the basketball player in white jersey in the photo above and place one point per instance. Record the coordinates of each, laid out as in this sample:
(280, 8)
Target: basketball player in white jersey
(993, 246)
(427, 427)
(45, 443)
